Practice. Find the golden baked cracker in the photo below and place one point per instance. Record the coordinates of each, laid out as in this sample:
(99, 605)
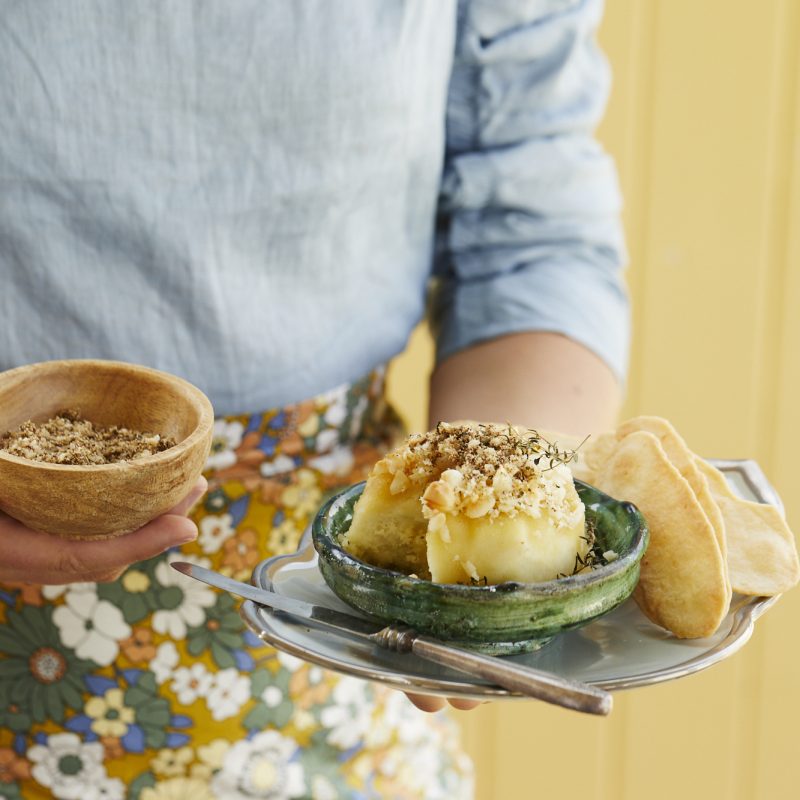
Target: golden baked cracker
(717, 482)
(683, 459)
(591, 452)
(762, 553)
(683, 585)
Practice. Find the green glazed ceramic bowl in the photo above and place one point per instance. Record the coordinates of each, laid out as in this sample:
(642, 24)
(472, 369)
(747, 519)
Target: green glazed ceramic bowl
(502, 619)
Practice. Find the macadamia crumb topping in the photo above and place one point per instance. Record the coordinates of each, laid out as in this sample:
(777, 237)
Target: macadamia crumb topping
(485, 471)
(68, 439)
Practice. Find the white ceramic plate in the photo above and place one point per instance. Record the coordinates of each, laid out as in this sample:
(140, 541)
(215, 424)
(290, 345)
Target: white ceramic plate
(618, 651)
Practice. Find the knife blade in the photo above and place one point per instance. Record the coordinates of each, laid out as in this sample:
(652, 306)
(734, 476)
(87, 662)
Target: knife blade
(399, 638)
(328, 618)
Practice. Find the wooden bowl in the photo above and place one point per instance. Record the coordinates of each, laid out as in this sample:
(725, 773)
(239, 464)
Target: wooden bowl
(104, 500)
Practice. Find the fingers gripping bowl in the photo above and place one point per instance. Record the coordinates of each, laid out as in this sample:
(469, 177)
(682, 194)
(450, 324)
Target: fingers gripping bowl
(506, 618)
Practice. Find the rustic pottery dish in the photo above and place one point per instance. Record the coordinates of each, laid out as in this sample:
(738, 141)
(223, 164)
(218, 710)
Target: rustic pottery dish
(103, 500)
(502, 619)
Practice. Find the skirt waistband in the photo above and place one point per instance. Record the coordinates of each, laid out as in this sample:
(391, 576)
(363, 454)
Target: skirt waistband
(282, 439)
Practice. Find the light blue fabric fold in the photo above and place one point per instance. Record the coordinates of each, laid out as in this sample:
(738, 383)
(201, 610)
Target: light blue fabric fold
(530, 236)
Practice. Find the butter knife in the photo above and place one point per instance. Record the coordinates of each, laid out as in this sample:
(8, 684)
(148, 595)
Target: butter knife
(402, 639)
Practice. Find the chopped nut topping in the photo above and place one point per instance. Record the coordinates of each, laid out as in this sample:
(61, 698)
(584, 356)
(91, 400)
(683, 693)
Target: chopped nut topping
(438, 524)
(486, 470)
(68, 439)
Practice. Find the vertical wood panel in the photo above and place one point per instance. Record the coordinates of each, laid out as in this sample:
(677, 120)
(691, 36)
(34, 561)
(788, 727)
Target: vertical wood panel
(778, 748)
(628, 37)
(710, 137)
(777, 222)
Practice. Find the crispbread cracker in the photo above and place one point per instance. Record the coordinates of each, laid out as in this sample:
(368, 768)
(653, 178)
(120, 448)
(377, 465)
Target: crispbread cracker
(683, 586)
(684, 460)
(593, 455)
(762, 555)
(756, 547)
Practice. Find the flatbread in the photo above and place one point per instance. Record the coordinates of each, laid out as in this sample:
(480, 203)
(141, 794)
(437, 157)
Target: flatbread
(762, 555)
(684, 460)
(593, 456)
(683, 585)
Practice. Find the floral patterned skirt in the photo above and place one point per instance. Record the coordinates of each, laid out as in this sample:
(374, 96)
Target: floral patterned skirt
(151, 687)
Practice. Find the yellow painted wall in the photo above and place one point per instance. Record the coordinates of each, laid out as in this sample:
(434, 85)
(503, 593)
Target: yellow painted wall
(704, 123)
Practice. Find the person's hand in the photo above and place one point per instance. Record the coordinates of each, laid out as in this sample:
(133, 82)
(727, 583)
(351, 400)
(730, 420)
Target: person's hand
(427, 703)
(28, 556)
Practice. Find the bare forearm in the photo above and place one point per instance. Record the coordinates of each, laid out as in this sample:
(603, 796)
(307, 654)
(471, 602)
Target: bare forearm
(542, 380)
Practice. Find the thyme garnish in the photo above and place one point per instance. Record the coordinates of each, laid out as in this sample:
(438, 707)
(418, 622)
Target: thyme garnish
(594, 556)
(550, 450)
(529, 444)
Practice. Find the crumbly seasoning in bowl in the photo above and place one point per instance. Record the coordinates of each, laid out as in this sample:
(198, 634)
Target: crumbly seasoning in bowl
(499, 558)
(68, 439)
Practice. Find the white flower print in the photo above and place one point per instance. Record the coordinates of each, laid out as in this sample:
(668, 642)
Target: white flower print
(323, 789)
(107, 789)
(272, 696)
(416, 759)
(189, 683)
(292, 663)
(67, 766)
(398, 719)
(213, 754)
(92, 627)
(336, 413)
(338, 462)
(350, 714)
(179, 789)
(261, 767)
(302, 496)
(52, 592)
(228, 693)
(415, 769)
(390, 721)
(303, 720)
(327, 440)
(419, 766)
(214, 531)
(283, 538)
(227, 437)
(277, 466)
(309, 426)
(188, 603)
(165, 661)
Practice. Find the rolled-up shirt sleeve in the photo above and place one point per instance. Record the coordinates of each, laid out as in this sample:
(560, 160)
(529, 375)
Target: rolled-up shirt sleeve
(529, 235)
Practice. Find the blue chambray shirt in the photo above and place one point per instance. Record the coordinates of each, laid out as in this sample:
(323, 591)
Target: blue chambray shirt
(254, 195)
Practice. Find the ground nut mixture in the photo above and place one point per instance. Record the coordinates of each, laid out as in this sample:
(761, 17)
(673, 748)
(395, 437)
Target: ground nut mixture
(486, 470)
(68, 439)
